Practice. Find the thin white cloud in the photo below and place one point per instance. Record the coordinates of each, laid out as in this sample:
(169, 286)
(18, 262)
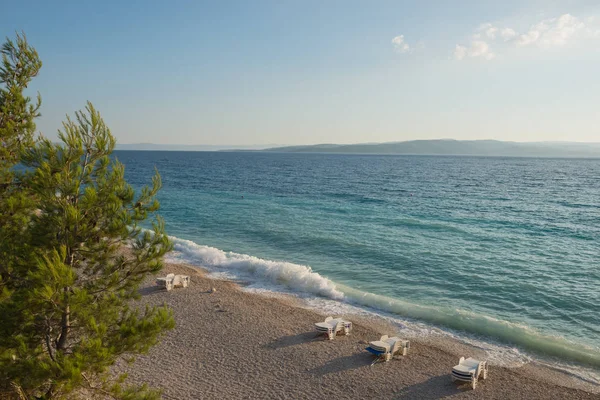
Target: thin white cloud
(400, 45)
(460, 52)
(507, 33)
(548, 33)
(477, 49)
(528, 38)
(554, 32)
(488, 30)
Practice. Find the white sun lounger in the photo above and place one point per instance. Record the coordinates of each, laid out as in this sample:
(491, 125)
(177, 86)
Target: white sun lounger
(166, 282)
(172, 280)
(181, 281)
(332, 326)
(387, 347)
(469, 370)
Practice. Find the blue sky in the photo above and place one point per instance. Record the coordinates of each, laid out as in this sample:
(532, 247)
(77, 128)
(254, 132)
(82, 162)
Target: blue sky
(303, 72)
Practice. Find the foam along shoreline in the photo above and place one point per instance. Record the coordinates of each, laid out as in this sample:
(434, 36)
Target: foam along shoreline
(234, 344)
(505, 332)
(301, 279)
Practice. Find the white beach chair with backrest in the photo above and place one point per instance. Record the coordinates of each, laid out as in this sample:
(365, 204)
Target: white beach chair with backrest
(342, 326)
(469, 370)
(332, 326)
(185, 280)
(181, 281)
(325, 327)
(336, 326)
(396, 345)
(381, 344)
(346, 327)
(166, 282)
(401, 346)
(169, 281)
(177, 281)
(380, 348)
(386, 347)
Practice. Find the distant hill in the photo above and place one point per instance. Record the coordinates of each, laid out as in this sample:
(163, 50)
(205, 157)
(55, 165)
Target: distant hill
(417, 147)
(183, 147)
(455, 147)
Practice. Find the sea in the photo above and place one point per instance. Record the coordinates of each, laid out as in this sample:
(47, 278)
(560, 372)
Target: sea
(501, 253)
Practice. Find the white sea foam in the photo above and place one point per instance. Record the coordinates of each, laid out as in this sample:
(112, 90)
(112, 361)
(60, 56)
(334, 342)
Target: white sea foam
(280, 276)
(296, 277)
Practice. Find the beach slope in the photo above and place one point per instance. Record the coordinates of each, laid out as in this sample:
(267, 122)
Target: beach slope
(231, 344)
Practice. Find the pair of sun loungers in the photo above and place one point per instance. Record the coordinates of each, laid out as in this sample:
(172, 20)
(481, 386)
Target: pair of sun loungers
(387, 347)
(332, 326)
(384, 348)
(172, 280)
(468, 370)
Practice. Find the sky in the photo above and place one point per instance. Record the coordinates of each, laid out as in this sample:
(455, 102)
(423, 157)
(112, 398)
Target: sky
(306, 72)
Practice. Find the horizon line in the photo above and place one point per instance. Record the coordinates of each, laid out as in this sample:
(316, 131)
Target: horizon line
(355, 143)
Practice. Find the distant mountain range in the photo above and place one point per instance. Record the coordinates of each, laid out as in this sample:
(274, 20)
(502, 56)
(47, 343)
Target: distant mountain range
(456, 147)
(184, 147)
(417, 147)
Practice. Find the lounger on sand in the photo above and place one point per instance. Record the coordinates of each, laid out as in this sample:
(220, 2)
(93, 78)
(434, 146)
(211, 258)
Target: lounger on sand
(332, 326)
(469, 370)
(172, 280)
(181, 281)
(387, 347)
(166, 282)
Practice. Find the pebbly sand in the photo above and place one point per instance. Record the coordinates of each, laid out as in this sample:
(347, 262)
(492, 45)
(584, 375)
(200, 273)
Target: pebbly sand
(233, 344)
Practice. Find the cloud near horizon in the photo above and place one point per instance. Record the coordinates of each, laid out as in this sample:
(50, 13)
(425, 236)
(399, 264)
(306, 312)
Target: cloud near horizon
(546, 34)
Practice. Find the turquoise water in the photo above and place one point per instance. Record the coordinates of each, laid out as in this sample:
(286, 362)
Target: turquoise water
(500, 248)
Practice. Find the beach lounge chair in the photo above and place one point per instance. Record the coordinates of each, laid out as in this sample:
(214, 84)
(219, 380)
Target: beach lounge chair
(172, 280)
(469, 370)
(166, 282)
(332, 326)
(387, 347)
(181, 281)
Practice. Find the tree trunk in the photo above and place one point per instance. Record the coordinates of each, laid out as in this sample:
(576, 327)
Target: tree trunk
(65, 326)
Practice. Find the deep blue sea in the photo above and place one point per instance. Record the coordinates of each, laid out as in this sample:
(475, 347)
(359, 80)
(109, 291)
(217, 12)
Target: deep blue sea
(505, 250)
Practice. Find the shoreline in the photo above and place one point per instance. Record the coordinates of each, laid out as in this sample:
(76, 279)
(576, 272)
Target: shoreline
(265, 347)
(507, 341)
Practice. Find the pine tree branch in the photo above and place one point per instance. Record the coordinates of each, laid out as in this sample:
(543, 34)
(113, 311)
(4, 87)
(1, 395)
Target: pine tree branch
(19, 390)
(97, 389)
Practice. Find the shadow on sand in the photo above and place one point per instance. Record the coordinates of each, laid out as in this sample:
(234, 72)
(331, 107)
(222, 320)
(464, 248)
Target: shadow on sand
(149, 290)
(292, 340)
(437, 387)
(341, 364)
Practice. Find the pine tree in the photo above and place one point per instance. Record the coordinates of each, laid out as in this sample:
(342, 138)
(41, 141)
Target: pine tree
(70, 284)
(20, 64)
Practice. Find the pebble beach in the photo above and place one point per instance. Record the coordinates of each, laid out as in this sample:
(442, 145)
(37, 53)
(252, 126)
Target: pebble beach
(231, 344)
